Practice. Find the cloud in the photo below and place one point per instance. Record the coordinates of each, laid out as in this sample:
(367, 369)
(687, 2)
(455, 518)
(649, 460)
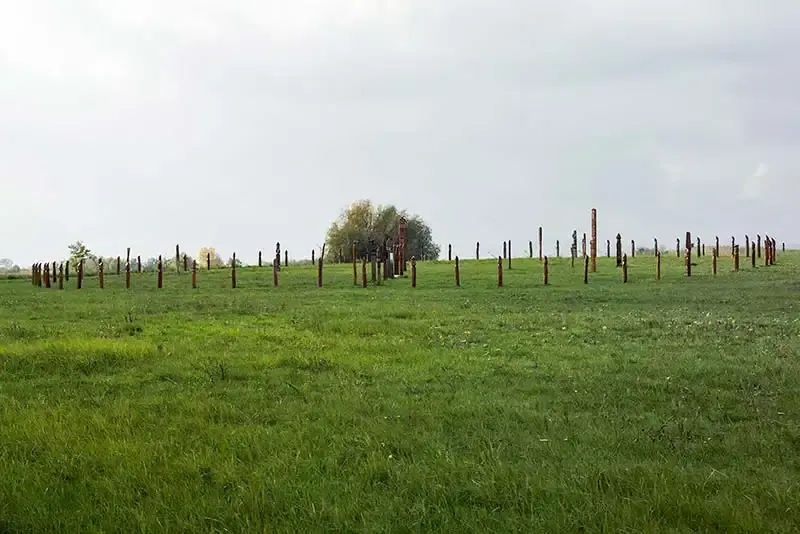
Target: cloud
(513, 113)
(755, 185)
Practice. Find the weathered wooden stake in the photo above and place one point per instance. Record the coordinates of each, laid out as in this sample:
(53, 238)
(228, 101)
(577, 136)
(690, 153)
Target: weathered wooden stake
(313, 254)
(413, 271)
(353, 259)
(608, 248)
(736, 259)
(540, 243)
(66, 271)
(477, 250)
(128, 275)
(458, 274)
(47, 275)
(53, 274)
(128, 255)
(530, 249)
(61, 276)
(625, 268)
(633, 248)
(619, 250)
(688, 253)
(658, 266)
(139, 264)
(118, 266)
(747, 246)
(733, 245)
(319, 272)
(505, 250)
(704, 250)
(185, 263)
(698, 247)
(233, 271)
(208, 261)
(275, 272)
(178, 258)
(655, 246)
(753, 254)
(194, 274)
(583, 245)
(593, 243)
(364, 272)
(586, 269)
(758, 245)
(714, 262)
(509, 254)
(160, 267)
(286, 257)
(783, 247)
(546, 271)
(678, 247)
(80, 274)
(558, 248)
(766, 250)
(716, 245)
(499, 271)
(100, 273)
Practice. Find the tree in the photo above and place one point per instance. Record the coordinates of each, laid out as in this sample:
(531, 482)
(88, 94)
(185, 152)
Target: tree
(363, 221)
(202, 256)
(78, 252)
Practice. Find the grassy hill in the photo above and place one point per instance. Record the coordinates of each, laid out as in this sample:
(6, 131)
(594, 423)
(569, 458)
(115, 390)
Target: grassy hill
(658, 406)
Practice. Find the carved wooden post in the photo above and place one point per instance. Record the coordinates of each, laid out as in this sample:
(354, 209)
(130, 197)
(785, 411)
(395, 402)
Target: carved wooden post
(139, 264)
(364, 272)
(633, 248)
(128, 275)
(100, 273)
(698, 247)
(658, 266)
(128, 256)
(208, 261)
(753, 254)
(733, 245)
(80, 274)
(619, 250)
(758, 245)
(774, 250)
(177, 258)
(736, 259)
(160, 267)
(714, 262)
(678, 247)
(688, 253)
(313, 254)
(540, 243)
(593, 243)
(766, 250)
(66, 271)
(716, 245)
(194, 274)
(275, 272)
(413, 271)
(458, 274)
(747, 246)
(625, 268)
(233, 271)
(286, 258)
(583, 245)
(61, 276)
(450, 252)
(509, 254)
(278, 254)
(608, 248)
(558, 248)
(704, 249)
(530, 249)
(477, 250)
(586, 269)
(499, 271)
(505, 250)
(655, 246)
(185, 263)
(118, 266)
(47, 275)
(546, 271)
(319, 272)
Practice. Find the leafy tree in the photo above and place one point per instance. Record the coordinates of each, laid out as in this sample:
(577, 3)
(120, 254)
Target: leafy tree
(216, 259)
(79, 251)
(363, 221)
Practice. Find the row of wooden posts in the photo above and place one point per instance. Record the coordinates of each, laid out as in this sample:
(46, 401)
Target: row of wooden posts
(42, 272)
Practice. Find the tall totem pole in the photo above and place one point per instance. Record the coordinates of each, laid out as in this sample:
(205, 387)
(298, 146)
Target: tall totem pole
(402, 233)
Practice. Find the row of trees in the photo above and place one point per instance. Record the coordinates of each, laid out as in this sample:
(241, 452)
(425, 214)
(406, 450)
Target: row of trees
(363, 223)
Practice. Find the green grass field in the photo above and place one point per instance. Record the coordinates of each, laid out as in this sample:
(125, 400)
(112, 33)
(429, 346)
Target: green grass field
(669, 406)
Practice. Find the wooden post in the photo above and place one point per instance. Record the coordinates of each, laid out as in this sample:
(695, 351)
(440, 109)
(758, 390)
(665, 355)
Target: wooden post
(128, 255)
(633, 248)
(733, 245)
(753, 254)
(774, 250)
(658, 266)
(259, 258)
(53, 274)
(678, 247)
(364, 272)
(608, 248)
(66, 271)
(546, 273)
(458, 274)
(783, 247)
(758, 245)
(586, 269)
(118, 266)
(233, 271)
(477, 250)
(413, 271)
(688, 253)
(286, 257)
(698, 248)
(540, 243)
(583, 245)
(185, 263)
(100, 273)
(593, 243)
(80, 274)
(704, 249)
(128, 275)
(655, 246)
(194, 274)
(47, 275)
(499, 271)
(160, 268)
(139, 264)
(450, 252)
(558, 248)
(509, 254)
(714, 262)
(505, 250)
(716, 245)
(766, 250)
(319, 272)
(747, 246)
(619, 250)
(208, 261)
(61, 276)
(530, 249)
(177, 258)
(353, 259)
(275, 272)
(736, 259)
(625, 268)
(374, 265)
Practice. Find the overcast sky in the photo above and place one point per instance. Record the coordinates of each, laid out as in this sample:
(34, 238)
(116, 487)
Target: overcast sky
(240, 123)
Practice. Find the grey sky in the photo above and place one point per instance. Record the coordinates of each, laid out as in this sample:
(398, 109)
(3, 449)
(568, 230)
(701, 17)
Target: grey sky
(240, 123)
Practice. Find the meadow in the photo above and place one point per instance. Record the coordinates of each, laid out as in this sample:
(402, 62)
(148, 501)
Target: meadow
(650, 406)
